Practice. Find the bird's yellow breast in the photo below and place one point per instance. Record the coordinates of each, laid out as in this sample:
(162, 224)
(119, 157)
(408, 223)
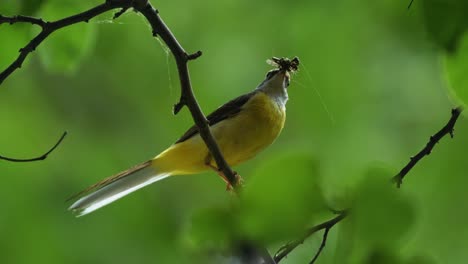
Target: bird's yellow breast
(240, 137)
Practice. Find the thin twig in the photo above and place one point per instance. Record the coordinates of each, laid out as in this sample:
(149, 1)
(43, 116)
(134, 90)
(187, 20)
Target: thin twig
(447, 129)
(50, 27)
(286, 249)
(322, 245)
(433, 140)
(22, 19)
(42, 157)
(411, 3)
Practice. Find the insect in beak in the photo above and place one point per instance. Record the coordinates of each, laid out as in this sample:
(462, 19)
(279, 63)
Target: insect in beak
(284, 66)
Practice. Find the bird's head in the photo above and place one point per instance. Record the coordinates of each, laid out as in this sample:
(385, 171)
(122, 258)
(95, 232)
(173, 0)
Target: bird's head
(277, 80)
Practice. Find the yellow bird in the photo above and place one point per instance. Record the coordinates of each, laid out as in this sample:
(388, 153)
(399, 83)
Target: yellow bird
(242, 128)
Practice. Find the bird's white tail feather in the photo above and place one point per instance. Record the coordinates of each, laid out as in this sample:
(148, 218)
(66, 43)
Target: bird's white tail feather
(116, 187)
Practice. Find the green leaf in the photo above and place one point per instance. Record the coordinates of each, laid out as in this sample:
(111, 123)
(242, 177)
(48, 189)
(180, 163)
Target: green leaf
(381, 214)
(378, 256)
(456, 66)
(65, 49)
(281, 198)
(420, 260)
(211, 229)
(446, 21)
(447, 24)
(30, 7)
(10, 7)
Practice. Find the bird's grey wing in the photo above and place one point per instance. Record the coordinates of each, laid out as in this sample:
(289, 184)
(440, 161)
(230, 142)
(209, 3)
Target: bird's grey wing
(225, 111)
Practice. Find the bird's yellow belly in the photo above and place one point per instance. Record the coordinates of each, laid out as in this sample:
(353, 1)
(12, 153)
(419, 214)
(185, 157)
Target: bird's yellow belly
(240, 138)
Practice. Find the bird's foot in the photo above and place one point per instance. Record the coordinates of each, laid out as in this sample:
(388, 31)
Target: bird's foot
(239, 182)
(238, 179)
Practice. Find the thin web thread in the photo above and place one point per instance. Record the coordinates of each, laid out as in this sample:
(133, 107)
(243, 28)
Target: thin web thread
(324, 105)
(168, 55)
(166, 49)
(111, 20)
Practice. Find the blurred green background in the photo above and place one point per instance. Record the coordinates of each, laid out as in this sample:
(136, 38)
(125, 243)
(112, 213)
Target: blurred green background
(370, 91)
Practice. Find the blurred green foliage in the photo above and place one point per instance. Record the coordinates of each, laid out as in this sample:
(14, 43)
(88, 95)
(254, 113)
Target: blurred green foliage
(447, 24)
(446, 21)
(273, 215)
(390, 219)
(456, 66)
(370, 91)
(66, 50)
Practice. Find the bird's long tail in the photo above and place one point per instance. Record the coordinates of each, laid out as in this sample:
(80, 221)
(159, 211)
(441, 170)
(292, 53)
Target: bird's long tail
(116, 187)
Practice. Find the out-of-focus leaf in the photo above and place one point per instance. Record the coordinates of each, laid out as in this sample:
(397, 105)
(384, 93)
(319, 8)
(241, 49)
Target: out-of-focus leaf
(446, 21)
(382, 257)
(13, 38)
(10, 7)
(30, 7)
(211, 229)
(456, 65)
(281, 198)
(65, 49)
(381, 215)
(420, 260)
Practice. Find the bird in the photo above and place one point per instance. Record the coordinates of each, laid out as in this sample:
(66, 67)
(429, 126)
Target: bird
(241, 127)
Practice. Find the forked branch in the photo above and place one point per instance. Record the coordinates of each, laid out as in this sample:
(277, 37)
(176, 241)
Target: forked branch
(160, 29)
(49, 28)
(187, 97)
(447, 129)
(286, 249)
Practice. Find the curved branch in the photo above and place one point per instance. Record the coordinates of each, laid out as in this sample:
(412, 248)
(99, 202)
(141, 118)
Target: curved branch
(42, 157)
(322, 245)
(433, 140)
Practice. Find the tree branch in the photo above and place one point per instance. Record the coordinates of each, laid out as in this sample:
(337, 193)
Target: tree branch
(50, 27)
(187, 98)
(42, 157)
(322, 245)
(433, 140)
(286, 249)
(22, 19)
(447, 129)
(160, 29)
